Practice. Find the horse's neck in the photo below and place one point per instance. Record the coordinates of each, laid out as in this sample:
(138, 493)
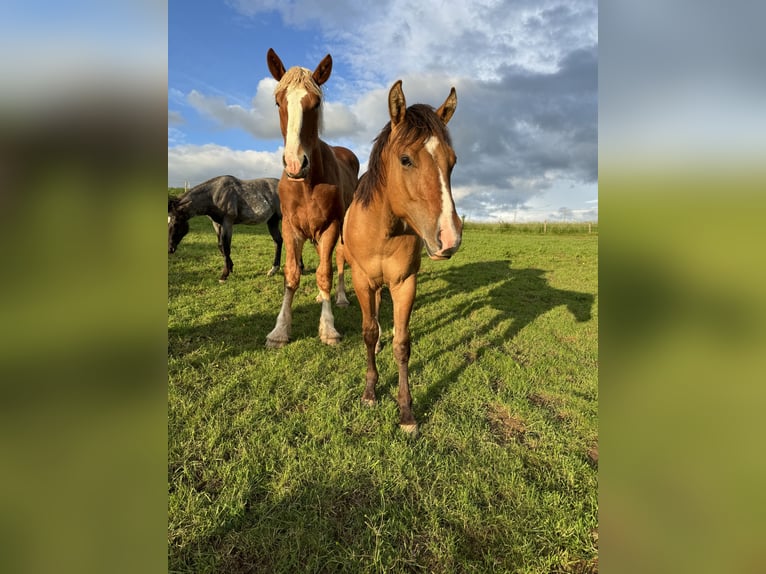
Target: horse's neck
(385, 218)
(324, 165)
(197, 201)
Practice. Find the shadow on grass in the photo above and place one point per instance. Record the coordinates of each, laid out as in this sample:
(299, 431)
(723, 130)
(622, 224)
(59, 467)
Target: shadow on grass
(519, 297)
(318, 524)
(341, 525)
(242, 333)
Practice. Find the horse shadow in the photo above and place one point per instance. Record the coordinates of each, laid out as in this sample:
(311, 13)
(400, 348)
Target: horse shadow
(516, 298)
(231, 335)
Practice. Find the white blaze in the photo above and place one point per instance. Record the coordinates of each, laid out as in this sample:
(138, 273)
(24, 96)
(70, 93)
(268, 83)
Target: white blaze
(293, 152)
(445, 223)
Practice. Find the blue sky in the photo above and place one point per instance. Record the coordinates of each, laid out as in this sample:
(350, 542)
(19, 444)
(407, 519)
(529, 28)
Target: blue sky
(525, 130)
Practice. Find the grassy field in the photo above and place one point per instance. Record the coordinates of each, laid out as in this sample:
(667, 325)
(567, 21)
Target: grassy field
(275, 466)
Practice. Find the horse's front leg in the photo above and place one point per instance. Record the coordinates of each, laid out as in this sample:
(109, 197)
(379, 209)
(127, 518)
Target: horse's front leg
(273, 224)
(403, 295)
(224, 232)
(371, 335)
(327, 332)
(369, 303)
(280, 335)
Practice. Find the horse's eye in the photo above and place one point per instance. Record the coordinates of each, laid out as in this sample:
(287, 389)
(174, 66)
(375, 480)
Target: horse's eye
(406, 161)
(316, 106)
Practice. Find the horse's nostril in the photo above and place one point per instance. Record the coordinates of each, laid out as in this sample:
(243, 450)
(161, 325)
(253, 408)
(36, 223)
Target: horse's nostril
(305, 163)
(439, 239)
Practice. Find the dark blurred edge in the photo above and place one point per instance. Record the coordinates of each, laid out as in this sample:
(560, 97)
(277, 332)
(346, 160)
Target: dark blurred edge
(682, 362)
(682, 277)
(83, 344)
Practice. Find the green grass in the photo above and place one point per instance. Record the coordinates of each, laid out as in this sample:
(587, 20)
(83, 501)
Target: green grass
(275, 466)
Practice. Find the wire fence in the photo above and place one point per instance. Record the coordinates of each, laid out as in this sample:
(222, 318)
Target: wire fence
(541, 227)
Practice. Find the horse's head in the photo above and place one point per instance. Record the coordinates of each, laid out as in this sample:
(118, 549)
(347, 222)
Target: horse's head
(299, 99)
(419, 161)
(178, 225)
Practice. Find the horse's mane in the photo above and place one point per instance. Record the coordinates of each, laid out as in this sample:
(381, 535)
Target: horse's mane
(297, 77)
(420, 122)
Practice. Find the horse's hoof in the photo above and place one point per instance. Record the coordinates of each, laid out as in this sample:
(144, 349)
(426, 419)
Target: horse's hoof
(272, 271)
(410, 430)
(368, 402)
(329, 335)
(341, 302)
(275, 343)
(222, 281)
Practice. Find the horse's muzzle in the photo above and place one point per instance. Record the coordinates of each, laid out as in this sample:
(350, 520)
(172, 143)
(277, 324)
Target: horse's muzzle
(442, 252)
(301, 172)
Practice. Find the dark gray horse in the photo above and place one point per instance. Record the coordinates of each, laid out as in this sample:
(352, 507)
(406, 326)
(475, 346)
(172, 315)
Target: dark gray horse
(227, 200)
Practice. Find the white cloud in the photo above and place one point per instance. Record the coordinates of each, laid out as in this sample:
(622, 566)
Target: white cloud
(195, 163)
(525, 130)
(175, 118)
(475, 39)
(511, 149)
(340, 121)
(260, 121)
(175, 136)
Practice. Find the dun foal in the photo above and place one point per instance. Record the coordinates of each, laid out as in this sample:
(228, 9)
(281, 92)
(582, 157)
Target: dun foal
(402, 204)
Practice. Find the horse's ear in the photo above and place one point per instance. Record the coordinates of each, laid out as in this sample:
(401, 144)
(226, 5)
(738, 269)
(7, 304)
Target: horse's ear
(276, 67)
(322, 73)
(397, 105)
(448, 107)
(172, 202)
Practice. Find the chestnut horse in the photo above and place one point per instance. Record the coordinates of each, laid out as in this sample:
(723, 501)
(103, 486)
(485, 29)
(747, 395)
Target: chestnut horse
(403, 203)
(316, 187)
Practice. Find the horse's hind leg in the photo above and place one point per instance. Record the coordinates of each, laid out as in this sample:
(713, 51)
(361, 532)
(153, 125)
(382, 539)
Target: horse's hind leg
(403, 296)
(217, 228)
(273, 224)
(327, 332)
(224, 246)
(340, 299)
(224, 232)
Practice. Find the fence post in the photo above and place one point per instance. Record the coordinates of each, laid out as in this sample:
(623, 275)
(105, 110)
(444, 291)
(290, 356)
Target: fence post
(545, 227)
